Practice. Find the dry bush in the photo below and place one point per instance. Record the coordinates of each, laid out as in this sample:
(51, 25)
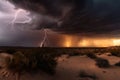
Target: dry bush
(28, 61)
(84, 74)
(117, 64)
(102, 63)
(91, 55)
(115, 52)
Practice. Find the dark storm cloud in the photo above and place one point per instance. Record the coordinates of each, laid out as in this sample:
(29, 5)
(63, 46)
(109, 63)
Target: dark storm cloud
(100, 18)
(92, 18)
(77, 16)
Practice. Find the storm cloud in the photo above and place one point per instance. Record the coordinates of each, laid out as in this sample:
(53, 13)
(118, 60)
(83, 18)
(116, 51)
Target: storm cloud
(77, 16)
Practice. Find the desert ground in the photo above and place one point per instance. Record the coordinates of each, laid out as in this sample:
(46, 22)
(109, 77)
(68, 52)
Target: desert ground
(77, 67)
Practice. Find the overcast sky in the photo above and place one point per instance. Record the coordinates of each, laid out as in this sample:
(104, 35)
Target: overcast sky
(95, 18)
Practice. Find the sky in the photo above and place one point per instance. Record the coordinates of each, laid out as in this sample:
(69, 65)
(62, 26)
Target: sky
(60, 23)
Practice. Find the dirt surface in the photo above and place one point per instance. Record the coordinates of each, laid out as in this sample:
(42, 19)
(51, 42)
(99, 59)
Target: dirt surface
(69, 69)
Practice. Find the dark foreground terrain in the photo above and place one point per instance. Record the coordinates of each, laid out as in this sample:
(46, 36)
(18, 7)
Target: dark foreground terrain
(101, 63)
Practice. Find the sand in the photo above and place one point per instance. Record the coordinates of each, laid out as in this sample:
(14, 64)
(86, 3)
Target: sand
(69, 69)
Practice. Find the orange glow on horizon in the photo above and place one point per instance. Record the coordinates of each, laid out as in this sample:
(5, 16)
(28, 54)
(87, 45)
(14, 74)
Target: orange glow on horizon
(116, 42)
(83, 43)
(71, 41)
(68, 41)
(96, 43)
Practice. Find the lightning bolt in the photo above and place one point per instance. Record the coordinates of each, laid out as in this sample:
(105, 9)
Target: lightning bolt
(42, 44)
(17, 13)
(27, 20)
(15, 18)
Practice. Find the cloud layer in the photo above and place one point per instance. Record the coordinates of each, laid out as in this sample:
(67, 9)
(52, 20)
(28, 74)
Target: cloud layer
(91, 18)
(77, 16)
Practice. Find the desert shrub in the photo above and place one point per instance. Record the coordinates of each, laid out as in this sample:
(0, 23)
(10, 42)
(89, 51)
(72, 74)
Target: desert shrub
(102, 63)
(84, 74)
(74, 54)
(115, 52)
(17, 64)
(10, 51)
(117, 64)
(1, 51)
(47, 63)
(91, 55)
(109, 54)
(33, 61)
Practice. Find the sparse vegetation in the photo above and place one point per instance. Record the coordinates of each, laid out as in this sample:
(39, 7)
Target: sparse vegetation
(117, 64)
(91, 55)
(115, 52)
(10, 51)
(84, 74)
(33, 61)
(74, 54)
(102, 63)
(45, 60)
